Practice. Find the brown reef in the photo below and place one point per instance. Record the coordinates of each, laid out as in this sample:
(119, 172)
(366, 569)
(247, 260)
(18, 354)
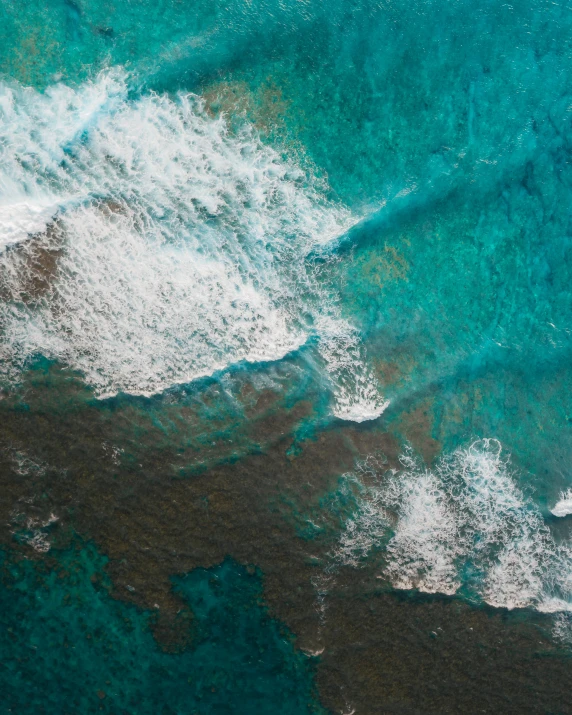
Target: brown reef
(110, 477)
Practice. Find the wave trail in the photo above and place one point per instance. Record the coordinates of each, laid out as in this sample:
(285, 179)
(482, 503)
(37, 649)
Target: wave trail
(177, 247)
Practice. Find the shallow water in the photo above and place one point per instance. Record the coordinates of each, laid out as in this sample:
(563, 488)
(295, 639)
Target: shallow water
(285, 320)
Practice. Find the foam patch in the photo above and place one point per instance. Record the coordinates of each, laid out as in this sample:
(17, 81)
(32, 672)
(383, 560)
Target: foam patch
(463, 524)
(181, 246)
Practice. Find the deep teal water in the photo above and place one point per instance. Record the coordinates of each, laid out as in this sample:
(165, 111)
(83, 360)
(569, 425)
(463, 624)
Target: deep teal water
(67, 646)
(405, 171)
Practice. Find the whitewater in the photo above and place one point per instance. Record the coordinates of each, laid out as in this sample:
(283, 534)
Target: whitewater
(463, 526)
(146, 244)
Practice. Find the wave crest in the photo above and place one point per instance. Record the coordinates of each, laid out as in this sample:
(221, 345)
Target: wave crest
(181, 246)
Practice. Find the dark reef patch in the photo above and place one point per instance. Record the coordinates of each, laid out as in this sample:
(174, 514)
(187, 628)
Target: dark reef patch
(154, 519)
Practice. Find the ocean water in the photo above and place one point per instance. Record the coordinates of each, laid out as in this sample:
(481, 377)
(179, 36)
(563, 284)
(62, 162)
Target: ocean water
(285, 347)
(108, 652)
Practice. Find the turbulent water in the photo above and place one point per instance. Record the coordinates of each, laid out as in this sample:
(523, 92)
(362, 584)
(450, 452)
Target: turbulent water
(462, 526)
(185, 248)
(285, 329)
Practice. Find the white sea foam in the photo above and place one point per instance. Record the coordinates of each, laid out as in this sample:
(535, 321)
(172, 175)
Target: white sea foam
(562, 629)
(21, 219)
(425, 544)
(355, 388)
(367, 528)
(183, 245)
(564, 505)
(463, 523)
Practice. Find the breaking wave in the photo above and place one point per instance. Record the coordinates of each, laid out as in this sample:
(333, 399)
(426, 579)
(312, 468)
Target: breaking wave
(145, 244)
(463, 526)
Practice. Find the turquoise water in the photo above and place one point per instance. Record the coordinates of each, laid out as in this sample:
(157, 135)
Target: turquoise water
(286, 286)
